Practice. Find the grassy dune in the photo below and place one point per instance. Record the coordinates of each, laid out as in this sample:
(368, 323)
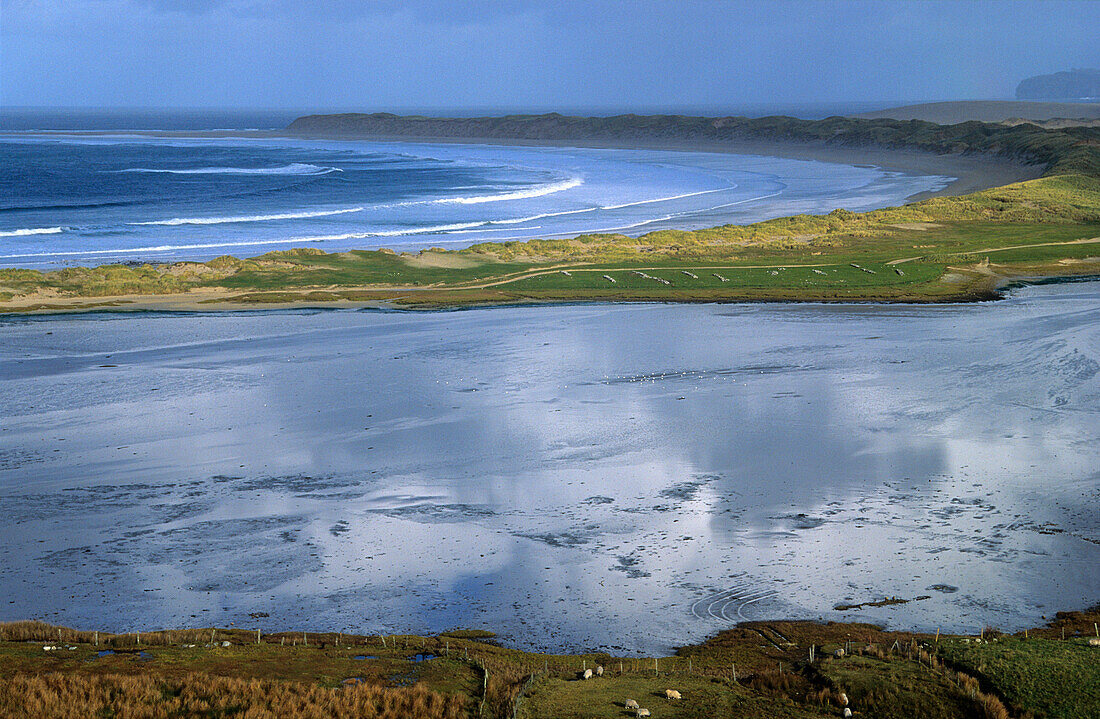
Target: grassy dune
(758, 669)
(942, 249)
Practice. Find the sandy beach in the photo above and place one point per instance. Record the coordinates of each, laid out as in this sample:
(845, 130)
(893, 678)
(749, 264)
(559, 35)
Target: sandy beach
(973, 173)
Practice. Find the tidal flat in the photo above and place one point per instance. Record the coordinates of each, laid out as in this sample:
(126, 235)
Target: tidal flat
(617, 477)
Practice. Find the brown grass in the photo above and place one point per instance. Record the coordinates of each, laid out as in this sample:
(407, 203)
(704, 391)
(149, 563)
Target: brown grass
(69, 696)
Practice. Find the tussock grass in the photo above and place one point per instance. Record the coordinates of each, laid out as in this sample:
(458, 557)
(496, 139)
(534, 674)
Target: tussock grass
(70, 696)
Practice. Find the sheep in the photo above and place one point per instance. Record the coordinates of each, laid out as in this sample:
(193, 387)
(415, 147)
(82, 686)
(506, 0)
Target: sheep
(838, 653)
(609, 278)
(641, 712)
(1094, 642)
(843, 699)
(599, 670)
(587, 674)
(847, 712)
(631, 704)
(671, 694)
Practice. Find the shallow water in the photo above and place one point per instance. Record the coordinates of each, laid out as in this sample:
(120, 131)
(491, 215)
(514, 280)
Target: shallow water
(633, 476)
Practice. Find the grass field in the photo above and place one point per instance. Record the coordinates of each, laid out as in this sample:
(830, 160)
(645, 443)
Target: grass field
(943, 249)
(756, 670)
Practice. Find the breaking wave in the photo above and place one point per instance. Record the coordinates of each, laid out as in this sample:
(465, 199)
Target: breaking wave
(539, 191)
(32, 231)
(247, 218)
(295, 168)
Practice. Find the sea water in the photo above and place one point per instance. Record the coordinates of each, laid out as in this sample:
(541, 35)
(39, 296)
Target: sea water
(89, 199)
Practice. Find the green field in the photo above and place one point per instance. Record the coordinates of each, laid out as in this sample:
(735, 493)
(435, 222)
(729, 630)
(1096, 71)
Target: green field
(756, 670)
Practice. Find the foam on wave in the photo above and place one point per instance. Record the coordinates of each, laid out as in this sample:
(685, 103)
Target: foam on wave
(31, 231)
(539, 191)
(247, 218)
(295, 168)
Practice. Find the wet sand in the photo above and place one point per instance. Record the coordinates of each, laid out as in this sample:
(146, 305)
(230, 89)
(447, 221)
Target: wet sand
(587, 476)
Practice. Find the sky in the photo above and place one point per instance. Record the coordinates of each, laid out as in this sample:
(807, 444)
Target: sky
(394, 54)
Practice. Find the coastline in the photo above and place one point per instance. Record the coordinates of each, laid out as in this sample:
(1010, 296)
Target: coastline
(972, 173)
(1042, 225)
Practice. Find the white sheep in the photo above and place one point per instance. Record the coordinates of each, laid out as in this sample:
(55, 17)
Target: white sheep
(843, 699)
(587, 674)
(599, 670)
(847, 712)
(672, 694)
(631, 704)
(838, 653)
(641, 712)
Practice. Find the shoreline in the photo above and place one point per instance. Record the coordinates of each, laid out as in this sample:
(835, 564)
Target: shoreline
(216, 302)
(971, 173)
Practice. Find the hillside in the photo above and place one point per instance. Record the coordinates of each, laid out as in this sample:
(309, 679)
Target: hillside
(951, 113)
(1069, 150)
(1067, 85)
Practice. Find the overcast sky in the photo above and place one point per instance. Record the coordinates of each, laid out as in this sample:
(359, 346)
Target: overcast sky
(590, 53)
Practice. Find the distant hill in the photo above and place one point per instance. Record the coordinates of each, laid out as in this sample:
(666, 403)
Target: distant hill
(1062, 151)
(1068, 85)
(952, 113)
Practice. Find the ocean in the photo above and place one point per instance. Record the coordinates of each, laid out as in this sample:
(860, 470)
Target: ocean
(78, 198)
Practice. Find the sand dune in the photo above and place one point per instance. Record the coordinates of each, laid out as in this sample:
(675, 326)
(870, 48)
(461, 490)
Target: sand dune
(950, 113)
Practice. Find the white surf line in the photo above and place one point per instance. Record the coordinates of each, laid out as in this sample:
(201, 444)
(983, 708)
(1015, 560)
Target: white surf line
(568, 234)
(26, 231)
(667, 199)
(305, 214)
(742, 607)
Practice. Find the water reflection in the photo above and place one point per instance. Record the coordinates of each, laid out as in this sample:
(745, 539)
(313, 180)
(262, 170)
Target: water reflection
(616, 476)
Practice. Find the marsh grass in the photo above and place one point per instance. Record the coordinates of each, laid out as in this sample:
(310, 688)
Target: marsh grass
(70, 696)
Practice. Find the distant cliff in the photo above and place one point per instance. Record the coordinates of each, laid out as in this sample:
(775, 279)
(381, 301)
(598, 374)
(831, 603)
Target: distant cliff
(1069, 85)
(1068, 150)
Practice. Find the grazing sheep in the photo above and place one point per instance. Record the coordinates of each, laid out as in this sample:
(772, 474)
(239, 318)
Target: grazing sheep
(599, 670)
(843, 699)
(838, 653)
(847, 712)
(609, 278)
(641, 712)
(631, 704)
(587, 674)
(1094, 642)
(672, 694)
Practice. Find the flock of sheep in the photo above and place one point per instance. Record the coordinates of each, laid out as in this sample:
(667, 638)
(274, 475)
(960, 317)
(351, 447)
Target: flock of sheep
(674, 695)
(630, 704)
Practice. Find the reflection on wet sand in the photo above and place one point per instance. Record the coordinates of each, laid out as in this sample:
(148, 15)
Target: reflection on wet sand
(587, 476)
